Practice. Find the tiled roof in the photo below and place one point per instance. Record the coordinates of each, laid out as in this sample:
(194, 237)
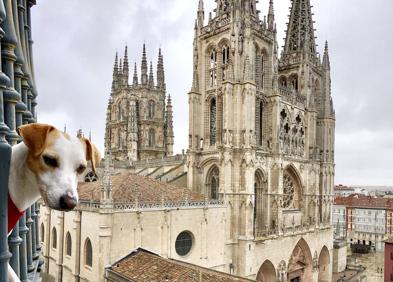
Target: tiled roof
(144, 266)
(126, 187)
(361, 201)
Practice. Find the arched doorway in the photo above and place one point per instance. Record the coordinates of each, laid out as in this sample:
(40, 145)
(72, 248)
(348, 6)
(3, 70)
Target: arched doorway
(267, 273)
(324, 265)
(300, 263)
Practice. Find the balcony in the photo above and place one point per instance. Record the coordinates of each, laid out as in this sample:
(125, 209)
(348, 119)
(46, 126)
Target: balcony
(21, 249)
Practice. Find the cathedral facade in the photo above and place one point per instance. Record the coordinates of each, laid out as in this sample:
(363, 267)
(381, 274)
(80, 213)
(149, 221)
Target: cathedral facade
(260, 159)
(139, 122)
(261, 137)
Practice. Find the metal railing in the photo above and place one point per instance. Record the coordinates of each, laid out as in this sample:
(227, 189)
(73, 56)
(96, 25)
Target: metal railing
(17, 106)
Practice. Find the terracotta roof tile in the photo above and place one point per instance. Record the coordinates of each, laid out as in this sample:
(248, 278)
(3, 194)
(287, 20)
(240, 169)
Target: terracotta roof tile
(361, 201)
(144, 266)
(126, 187)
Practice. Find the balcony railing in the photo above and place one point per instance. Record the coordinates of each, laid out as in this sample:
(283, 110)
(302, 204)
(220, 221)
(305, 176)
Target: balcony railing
(18, 94)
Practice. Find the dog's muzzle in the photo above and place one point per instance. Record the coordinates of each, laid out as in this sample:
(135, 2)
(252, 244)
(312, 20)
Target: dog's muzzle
(68, 201)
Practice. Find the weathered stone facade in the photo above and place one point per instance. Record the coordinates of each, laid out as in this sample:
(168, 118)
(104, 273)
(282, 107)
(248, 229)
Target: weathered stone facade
(139, 116)
(261, 131)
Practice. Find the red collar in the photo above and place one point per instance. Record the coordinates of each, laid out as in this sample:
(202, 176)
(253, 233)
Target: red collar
(13, 214)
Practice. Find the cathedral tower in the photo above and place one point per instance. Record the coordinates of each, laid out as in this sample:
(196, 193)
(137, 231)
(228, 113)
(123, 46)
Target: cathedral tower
(139, 122)
(261, 128)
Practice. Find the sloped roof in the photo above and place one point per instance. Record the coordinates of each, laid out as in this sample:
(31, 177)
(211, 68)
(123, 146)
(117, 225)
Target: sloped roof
(127, 186)
(144, 266)
(361, 201)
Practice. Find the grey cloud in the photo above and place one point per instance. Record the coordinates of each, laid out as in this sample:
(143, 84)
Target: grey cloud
(75, 47)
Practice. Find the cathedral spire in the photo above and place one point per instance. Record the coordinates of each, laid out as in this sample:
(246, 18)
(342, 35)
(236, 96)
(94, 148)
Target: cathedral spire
(200, 14)
(151, 76)
(144, 66)
(115, 72)
(300, 32)
(169, 136)
(125, 66)
(270, 16)
(160, 71)
(326, 59)
(135, 78)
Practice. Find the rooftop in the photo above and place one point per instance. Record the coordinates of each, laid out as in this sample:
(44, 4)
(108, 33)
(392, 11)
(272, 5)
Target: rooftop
(127, 187)
(144, 266)
(362, 201)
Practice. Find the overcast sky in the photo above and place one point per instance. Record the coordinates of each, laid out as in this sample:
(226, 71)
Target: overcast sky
(76, 41)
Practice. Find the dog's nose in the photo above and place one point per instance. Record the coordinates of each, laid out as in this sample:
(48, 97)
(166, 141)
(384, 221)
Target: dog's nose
(68, 201)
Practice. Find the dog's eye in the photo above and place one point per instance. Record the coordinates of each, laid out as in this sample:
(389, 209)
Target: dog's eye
(50, 161)
(80, 169)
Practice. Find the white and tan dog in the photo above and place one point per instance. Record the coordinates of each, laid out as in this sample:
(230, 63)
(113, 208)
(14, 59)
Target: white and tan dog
(46, 164)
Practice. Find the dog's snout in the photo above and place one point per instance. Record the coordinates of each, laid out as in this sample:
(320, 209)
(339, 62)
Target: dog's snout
(68, 201)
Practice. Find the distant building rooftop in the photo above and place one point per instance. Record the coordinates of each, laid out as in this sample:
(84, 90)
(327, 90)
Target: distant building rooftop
(343, 188)
(143, 266)
(127, 187)
(362, 201)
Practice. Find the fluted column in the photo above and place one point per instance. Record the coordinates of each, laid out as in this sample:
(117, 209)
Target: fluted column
(5, 157)
(22, 249)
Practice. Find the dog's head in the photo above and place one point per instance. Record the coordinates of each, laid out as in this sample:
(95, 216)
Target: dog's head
(56, 159)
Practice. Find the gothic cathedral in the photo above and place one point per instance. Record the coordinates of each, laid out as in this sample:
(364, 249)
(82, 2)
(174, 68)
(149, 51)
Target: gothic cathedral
(261, 136)
(139, 123)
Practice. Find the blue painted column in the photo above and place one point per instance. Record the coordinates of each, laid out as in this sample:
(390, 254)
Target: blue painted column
(33, 233)
(5, 157)
(22, 249)
(37, 227)
(29, 254)
(11, 99)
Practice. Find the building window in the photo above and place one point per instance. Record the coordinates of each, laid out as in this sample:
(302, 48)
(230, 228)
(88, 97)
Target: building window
(68, 244)
(259, 122)
(91, 177)
(213, 119)
(183, 243)
(88, 253)
(42, 232)
(213, 68)
(54, 238)
(213, 183)
(152, 137)
(225, 62)
(152, 109)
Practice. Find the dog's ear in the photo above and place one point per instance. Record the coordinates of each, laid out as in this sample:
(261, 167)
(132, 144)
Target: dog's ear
(34, 136)
(92, 154)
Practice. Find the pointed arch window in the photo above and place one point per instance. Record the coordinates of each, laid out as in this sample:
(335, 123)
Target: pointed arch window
(68, 244)
(213, 183)
(263, 67)
(42, 232)
(213, 121)
(152, 108)
(225, 62)
(88, 253)
(259, 122)
(152, 137)
(213, 68)
(54, 238)
(260, 190)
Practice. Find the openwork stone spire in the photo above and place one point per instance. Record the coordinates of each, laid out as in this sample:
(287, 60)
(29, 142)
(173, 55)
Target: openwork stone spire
(300, 33)
(151, 76)
(135, 78)
(144, 66)
(160, 71)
